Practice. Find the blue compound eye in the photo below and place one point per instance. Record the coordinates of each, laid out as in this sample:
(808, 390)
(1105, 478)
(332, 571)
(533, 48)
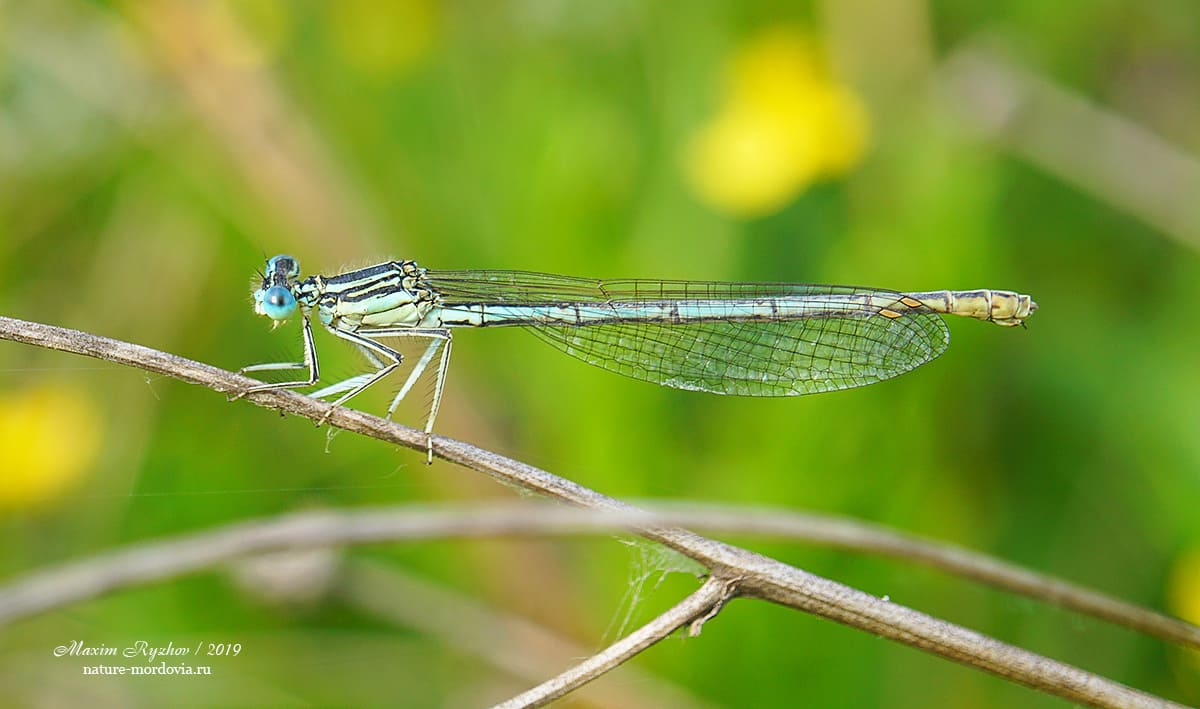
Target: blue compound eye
(278, 303)
(283, 265)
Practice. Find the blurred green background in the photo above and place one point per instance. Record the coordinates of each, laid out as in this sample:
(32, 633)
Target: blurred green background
(153, 153)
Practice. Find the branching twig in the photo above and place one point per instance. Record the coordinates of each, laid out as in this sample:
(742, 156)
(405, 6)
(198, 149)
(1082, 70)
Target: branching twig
(708, 598)
(756, 575)
(512, 644)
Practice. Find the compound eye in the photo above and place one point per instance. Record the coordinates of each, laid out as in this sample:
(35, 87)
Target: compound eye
(284, 265)
(278, 303)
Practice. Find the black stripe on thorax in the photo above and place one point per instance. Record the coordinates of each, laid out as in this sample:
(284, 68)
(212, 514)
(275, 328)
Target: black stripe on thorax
(389, 268)
(369, 290)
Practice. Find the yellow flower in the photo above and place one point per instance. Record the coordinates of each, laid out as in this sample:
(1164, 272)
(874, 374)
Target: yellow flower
(49, 437)
(776, 69)
(750, 162)
(784, 123)
(839, 120)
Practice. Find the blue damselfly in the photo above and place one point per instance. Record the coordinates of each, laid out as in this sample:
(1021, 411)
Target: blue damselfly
(748, 339)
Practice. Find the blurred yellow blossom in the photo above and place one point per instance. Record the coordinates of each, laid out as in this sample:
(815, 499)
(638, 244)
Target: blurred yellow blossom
(747, 161)
(776, 69)
(383, 37)
(784, 123)
(49, 437)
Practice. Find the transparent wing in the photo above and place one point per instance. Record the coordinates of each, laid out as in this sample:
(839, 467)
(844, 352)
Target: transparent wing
(757, 359)
(858, 346)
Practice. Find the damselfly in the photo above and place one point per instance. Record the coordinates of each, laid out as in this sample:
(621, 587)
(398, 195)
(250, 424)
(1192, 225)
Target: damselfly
(748, 339)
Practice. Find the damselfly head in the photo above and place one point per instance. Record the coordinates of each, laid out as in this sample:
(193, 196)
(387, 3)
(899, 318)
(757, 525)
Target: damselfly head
(280, 270)
(274, 298)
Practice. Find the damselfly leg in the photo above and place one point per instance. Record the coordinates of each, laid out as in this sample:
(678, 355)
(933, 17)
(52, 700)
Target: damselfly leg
(309, 363)
(385, 360)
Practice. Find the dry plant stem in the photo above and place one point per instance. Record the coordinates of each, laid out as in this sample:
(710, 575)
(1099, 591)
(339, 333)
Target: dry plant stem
(147, 562)
(758, 576)
(142, 563)
(701, 603)
(76, 581)
(514, 645)
(855, 535)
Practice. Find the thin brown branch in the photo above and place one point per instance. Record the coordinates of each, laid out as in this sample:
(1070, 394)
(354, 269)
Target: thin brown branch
(756, 575)
(74, 582)
(855, 535)
(512, 644)
(702, 603)
(148, 562)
